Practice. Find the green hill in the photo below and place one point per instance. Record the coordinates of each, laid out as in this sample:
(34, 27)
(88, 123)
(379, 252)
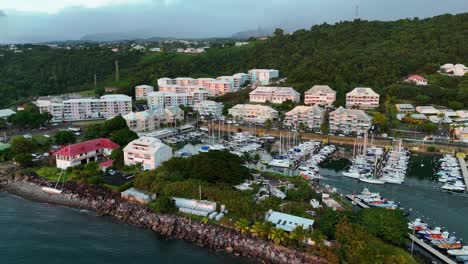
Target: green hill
(347, 54)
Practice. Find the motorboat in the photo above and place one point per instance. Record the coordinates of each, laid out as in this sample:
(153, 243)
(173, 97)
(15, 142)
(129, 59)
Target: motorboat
(418, 225)
(447, 246)
(458, 252)
(444, 235)
(458, 186)
(435, 231)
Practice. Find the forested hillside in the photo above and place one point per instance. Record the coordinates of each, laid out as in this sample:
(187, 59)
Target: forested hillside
(345, 55)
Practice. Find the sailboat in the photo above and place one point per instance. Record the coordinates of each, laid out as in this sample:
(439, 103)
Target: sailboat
(54, 191)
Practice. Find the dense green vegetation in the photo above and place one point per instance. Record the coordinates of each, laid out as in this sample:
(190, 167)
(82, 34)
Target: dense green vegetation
(345, 55)
(116, 129)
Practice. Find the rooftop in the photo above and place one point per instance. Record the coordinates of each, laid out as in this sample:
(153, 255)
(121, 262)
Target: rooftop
(362, 91)
(321, 88)
(87, 146)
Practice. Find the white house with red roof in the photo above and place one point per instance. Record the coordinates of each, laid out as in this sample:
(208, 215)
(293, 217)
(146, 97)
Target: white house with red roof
(84, 152)
(417, 79)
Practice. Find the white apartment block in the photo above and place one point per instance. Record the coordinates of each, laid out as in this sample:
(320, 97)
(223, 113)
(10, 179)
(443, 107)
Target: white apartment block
(362, 98)
(165, 81)
(181, 88)
(161, 100)
(262, 76)
(253, 113)
(275, 95)
(235, 80)
(320, 95)
(147, 151)
(349, 121)
(108, 106)
(311, 116)
(141, 91)
(209, 108)
(113, 105)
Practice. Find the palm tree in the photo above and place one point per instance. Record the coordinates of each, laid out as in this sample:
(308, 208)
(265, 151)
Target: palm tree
(242, 226)
(298, 234)
(257, 230)
(278, 236)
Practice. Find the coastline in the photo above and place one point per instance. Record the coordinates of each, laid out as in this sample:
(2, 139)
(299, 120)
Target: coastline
(106, 202)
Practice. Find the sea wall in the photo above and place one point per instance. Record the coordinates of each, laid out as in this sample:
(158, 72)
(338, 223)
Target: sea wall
(108, 203)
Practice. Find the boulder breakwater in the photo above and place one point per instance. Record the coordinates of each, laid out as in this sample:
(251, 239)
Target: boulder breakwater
(106, 202)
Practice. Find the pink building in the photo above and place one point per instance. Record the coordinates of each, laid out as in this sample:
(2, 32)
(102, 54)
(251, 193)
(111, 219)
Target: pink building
(149, 152)
(114, 105)
(184, 81)
(362, 98)
(320, 95)
(204, 81)
(218, 88)
(141, 91)
(181, 88)
(275, 95)
(84, 152)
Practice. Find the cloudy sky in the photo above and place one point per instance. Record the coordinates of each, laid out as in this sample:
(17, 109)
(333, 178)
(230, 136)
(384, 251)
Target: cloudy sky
(46, 20)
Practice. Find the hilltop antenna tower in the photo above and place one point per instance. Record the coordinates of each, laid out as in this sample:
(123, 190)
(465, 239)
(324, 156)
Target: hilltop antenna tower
(356, 12)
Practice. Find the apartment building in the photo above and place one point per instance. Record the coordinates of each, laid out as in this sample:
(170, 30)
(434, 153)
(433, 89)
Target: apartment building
(113, 105)
(235, 80)
(165, 81)
(209, 108)
(161, 100)
(218, 88)
(275, 95)
(184, 81)
(262, 76)
(84, 152)
(320, 95)
(141, 91)
(108, 106)
(204, 81)
(253, 113)
(312, 117)
(142, 121)
(362, 98)
(181, 88)
(149, 152)
(347, 121)
(404, 108)
(82, 109)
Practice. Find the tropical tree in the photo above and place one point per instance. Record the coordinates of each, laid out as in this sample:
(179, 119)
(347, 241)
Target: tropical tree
(278, 236)
(258, 230)
(64, 137)
(298, 235)
(242, 226)
(267, 123)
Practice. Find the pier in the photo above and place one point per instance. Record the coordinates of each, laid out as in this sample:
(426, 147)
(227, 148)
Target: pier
(431, 250)
(464, 171)
(357, 201)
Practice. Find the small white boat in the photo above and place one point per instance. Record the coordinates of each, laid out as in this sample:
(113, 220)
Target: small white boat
(51, 190)
(458, 252)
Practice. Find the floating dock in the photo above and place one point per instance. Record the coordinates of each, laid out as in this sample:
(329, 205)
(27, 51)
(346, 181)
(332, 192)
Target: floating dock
(431, 250)
(357, 201)
(464, 171)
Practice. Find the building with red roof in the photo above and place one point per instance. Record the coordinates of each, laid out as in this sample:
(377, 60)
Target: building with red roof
(417, 79)
(84, 152)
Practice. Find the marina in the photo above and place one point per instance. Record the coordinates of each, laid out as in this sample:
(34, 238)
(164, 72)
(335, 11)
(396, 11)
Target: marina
(464, 170)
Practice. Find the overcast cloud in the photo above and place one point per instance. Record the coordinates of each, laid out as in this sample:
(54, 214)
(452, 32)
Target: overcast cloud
(47, 20)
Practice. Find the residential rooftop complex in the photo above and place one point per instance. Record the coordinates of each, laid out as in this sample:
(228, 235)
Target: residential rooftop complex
(253, 113)
(275, 95)
(147, 151)
(311, 117)
(320, 95)
(349, 121)
(362, 98)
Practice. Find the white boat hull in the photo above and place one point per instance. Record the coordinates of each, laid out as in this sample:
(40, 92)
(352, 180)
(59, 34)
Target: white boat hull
(372, 181)
(51, 190)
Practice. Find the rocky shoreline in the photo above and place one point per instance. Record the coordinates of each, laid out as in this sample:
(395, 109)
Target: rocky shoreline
(108, 203)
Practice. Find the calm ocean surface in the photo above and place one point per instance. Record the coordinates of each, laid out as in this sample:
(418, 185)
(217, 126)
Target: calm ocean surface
(33, 232)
